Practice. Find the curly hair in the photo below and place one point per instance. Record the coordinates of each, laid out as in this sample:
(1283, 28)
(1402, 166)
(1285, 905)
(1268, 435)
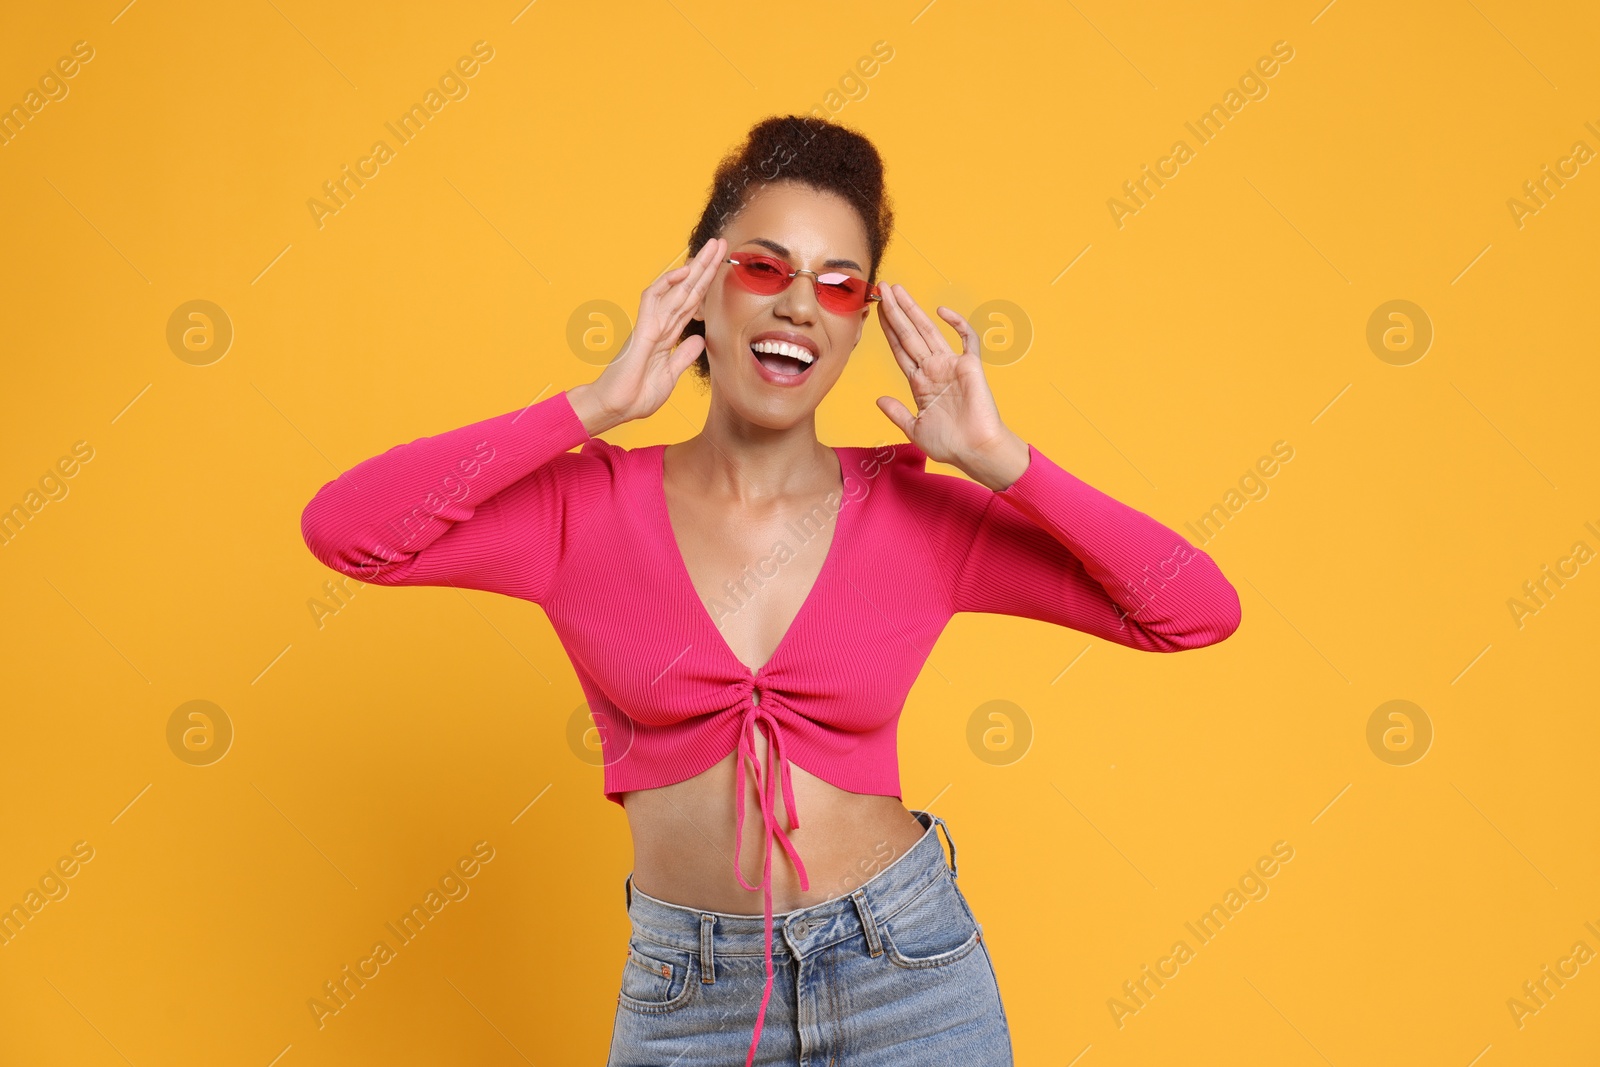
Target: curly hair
(802, 148)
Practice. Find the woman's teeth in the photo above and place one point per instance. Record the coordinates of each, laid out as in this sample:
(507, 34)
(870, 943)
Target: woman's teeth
(782, 357)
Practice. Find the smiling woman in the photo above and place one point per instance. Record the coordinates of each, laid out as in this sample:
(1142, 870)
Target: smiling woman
(799, 693)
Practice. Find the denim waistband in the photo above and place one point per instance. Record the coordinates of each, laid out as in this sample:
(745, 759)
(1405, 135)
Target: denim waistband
(804, 930)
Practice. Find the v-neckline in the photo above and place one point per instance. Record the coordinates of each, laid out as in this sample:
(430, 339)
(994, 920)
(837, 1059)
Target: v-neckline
(664, 515)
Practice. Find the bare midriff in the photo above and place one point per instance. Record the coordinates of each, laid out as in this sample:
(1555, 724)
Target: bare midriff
(683, 840)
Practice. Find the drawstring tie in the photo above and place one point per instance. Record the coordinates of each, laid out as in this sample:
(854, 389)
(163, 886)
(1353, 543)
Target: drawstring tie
(769, 827)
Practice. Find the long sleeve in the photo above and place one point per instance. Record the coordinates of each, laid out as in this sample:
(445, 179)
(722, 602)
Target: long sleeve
(1052, 547)
(491, 505)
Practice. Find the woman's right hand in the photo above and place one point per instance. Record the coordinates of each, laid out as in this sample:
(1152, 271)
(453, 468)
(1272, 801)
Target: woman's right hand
(641, 377)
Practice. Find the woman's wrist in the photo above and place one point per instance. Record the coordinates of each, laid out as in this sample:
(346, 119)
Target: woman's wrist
(1000, 463)
(591, 411)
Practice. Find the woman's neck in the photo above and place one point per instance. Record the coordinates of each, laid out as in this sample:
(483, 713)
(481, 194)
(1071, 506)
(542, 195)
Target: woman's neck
(753, 464)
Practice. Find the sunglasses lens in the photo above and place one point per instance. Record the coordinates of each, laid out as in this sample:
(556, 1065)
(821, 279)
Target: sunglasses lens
(836, 291)
(841, 292)
(762, 274)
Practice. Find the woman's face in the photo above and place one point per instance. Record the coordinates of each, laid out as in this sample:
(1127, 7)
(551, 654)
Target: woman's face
(810, 230)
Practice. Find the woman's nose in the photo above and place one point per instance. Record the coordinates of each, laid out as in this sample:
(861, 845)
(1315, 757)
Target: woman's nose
(798, 303)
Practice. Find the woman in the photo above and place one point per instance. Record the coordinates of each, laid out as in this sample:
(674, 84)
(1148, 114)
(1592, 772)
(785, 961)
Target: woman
(747, 610)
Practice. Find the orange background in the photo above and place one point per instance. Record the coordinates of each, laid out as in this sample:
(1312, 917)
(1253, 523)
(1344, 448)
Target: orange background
(375, 746)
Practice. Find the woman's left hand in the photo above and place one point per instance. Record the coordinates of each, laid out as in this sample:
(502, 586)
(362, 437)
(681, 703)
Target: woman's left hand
(956, 420)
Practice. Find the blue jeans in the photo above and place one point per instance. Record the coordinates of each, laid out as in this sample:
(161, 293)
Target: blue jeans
(892, 973)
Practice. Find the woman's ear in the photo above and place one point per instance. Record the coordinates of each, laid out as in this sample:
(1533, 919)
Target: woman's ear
(866, 313)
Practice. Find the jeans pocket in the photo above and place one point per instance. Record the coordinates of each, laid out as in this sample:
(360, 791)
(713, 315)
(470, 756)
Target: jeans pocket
(656, 978)
(934, 930)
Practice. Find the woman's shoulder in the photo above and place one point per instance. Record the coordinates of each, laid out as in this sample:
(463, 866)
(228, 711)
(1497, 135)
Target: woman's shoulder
(595, 468)
(611, 454)
(599, 465)
(939, 510)
(902, 468)
(907, 464)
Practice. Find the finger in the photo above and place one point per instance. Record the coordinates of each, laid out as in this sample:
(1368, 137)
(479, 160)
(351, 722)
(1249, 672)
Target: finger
(685, 301)
(925, 326)
(970, 345)
(897, 413)
(651, 298)
(915, 345)
(686, 353)
(715, 251)
(658, 309)
(911, 338)
(666, 278)
(908, 366)
(690, 292)
(695, 265)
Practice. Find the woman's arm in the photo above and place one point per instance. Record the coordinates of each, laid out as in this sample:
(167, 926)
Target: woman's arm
(490, 505)
(494, 505)
(1054, 548)
(1025, 537)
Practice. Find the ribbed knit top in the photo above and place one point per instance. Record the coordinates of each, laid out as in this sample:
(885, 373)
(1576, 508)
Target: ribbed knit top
(504, 505)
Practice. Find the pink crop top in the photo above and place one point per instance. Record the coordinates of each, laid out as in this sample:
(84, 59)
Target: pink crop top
(504, 505)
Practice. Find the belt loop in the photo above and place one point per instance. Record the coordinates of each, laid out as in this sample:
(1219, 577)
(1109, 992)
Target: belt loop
(708, 973)
(627, 889)
(940, 822)
(868, 923)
